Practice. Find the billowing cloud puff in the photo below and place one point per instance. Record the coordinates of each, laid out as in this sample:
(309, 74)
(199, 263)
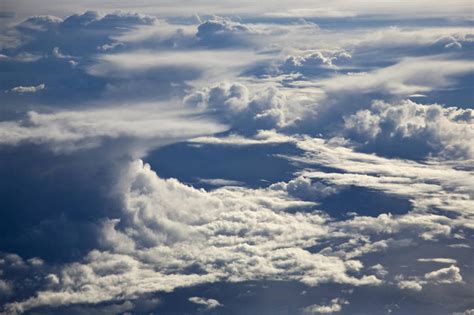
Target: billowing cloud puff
(450, 274)
(445, 131)
(334, 307)
(303, 188)
(90, 30)
(40, 22)
(90, 19)
(171, 235)
(313, 63)
(410, 285)
(222, 32)
(236, 105)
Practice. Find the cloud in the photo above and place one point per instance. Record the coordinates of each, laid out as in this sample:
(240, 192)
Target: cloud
(450, 274)
(305, 8)
(445, 131)
(303, 188)
(233, 103)
(432, 185)
(170, 235)
(438, 260)
(110, 232)
(314, 63)
(28, 89)
(410, 285)
(205, 65)
(71, 130)
(221, 32)
(5, 288)
(407, 77)
(208, 303)
(334, 307)
(220, 182)
(261, 137)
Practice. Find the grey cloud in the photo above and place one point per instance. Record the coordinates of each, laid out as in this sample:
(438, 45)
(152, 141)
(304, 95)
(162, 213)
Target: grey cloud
(315, 63)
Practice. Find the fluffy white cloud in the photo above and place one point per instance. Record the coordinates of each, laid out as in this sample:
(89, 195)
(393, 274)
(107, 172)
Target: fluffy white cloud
(315, 60)
(264, 109)
(334, 307)
(450, 274)
(208, 303)
(410, 285)
(303, 188)
(449, 131)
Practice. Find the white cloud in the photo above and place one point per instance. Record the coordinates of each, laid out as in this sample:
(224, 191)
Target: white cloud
(212, 65)
(334, 307)
(410, 285)
(261, 137)
(409, 76)
(169, 235)
(303, 188)
(304, 8)
(438, 260)
(220, 182)
(450, 274)
(71, 130)
(428, 185)
(264, 109)
(208, 303)
(28, 89)
(449, 131)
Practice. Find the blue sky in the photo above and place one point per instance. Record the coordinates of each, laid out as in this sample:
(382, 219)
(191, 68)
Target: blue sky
(218, 157)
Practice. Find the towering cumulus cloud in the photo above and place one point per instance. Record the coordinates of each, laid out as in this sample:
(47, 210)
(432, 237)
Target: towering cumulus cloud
(290, 157)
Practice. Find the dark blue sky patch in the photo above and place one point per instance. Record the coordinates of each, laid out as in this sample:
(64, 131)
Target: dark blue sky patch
(363, 201)
(255, 165)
